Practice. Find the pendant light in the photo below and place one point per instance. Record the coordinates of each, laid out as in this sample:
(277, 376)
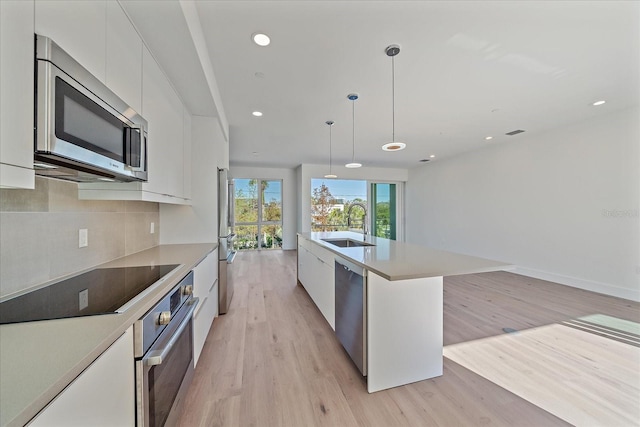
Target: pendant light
(330, 123)
(394, 145)
(353, 97)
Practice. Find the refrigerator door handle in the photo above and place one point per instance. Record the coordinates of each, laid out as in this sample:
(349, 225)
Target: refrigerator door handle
(231, 220)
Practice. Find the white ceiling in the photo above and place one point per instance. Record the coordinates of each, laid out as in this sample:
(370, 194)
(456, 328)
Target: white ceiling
(466, 70)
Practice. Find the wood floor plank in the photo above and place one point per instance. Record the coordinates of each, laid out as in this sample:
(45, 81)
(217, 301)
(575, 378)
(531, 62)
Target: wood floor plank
(255, 303)
(581, 377)
(273, 360)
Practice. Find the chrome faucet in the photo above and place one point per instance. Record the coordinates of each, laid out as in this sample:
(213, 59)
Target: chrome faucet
(365, 228)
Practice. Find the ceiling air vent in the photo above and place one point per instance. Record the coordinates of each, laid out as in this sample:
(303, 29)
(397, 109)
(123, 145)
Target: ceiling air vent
(514, 132)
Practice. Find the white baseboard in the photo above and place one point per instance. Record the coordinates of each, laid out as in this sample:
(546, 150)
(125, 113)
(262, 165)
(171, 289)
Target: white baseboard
(588, 285)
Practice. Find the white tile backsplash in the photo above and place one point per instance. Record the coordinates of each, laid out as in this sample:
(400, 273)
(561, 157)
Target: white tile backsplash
(39, 233)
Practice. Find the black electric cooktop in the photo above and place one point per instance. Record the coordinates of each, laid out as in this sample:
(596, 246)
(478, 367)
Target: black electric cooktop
(99, 291)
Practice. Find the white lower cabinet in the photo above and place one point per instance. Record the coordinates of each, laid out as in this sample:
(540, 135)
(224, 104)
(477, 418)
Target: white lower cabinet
(103, 395)
(205, 287)
(316, 272)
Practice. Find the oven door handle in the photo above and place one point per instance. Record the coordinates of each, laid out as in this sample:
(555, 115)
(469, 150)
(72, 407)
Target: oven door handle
(157, 356)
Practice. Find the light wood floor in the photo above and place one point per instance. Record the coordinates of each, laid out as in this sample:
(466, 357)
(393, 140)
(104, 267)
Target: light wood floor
(272, 360)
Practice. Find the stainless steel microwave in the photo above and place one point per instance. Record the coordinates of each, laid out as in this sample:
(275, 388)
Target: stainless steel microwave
(83, 131)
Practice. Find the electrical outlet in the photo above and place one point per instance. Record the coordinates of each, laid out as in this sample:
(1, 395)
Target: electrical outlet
(83, 299)
(83, 238)
(152, 229)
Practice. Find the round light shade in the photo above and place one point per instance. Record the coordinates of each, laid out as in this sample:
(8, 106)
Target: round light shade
(394, 146)
(261, 39)
(331, 176)
(353, 165)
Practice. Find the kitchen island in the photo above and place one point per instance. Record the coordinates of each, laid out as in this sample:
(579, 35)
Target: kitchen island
(403, 299)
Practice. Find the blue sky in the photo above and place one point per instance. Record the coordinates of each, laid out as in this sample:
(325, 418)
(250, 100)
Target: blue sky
(347, 189)
(272, 192)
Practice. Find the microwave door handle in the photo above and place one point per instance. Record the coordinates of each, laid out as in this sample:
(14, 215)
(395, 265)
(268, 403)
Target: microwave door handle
(157, 356)
(128, 140)
(127, 145)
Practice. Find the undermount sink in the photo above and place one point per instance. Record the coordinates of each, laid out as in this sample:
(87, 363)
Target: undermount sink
(347, 243)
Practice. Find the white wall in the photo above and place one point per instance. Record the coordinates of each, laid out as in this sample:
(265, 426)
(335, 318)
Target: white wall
(306, 172)
(198, 223)
(561, 206)
(288, 177)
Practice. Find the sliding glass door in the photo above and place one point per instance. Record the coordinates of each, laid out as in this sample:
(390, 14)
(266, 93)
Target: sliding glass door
(384, 210)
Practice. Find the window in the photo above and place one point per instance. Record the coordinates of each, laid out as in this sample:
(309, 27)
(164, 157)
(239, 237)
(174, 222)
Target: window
(258, 213)
(331, 200)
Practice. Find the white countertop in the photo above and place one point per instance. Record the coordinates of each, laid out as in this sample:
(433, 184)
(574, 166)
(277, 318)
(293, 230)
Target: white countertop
(394, 260)
(39, 359)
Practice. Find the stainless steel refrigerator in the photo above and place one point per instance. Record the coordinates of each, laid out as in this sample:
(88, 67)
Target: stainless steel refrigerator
(226, 254)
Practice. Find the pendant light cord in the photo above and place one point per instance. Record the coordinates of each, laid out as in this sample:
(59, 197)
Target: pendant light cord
(330, 156)
(393, 99)
(353, 121)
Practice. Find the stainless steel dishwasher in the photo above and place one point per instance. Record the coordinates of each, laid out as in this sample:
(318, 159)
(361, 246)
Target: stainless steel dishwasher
(351, 311)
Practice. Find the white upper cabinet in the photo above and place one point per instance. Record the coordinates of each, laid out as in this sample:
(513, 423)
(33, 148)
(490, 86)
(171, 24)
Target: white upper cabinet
(16, 94)
(99, 35)
(187, 154)
(79, 28)
(123, 57)
(164, 111)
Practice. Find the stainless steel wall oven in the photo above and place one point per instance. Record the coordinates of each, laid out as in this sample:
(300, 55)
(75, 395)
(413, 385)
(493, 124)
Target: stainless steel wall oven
(163, 341)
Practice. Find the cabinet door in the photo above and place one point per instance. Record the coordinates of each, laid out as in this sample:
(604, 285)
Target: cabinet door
(16, 87)
(326, 293)
(316, 273)
(187, 154)
(163, 110)
(205, 274)
(123, 57)
(78, 27)
(305, 268)
(103, 395)
(205, 279)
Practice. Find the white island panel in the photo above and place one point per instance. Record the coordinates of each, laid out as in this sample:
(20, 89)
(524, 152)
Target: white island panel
(404, 331)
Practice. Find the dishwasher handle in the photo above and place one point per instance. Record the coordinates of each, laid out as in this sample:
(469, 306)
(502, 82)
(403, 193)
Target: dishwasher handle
(350, 267)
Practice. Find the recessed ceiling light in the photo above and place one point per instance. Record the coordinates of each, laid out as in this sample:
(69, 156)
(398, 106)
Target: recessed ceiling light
(331, 176)
(353, 165)
(394, 146)
(433, 156)
(599, 102)
(257, 113)
(488, 138)
(261, 39)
